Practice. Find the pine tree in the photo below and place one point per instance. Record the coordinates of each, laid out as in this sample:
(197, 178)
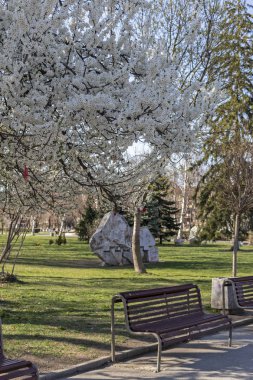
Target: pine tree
(86, 223)
(231, 64)
(216, 218)
(160, 212)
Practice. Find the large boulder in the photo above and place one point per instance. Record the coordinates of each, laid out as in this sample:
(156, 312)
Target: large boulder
(112, 241)
(149, 251)
(193, 236)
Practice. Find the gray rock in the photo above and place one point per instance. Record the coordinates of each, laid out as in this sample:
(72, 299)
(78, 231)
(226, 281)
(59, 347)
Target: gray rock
(112, 241)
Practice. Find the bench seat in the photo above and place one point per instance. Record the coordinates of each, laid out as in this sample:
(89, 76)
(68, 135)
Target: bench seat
(184, 322)
(172, 314)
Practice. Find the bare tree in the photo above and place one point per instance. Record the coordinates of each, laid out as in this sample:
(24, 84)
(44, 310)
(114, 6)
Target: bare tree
(230, 185)
(237, 185)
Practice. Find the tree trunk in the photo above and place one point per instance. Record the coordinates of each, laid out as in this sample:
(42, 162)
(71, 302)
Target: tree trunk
(12, 232)
(33, 222)
(236, 245)
(22, 239)
(183, 206)
(61, 229)
(137, 260)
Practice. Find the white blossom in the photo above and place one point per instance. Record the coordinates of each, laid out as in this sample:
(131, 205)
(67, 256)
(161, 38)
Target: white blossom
(82, 81)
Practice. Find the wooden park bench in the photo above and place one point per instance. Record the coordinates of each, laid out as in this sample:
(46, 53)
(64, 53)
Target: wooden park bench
(172, 315)
(242, 290)
(15, 368)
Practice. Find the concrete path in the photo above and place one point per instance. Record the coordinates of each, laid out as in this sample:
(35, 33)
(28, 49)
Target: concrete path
(205, 359)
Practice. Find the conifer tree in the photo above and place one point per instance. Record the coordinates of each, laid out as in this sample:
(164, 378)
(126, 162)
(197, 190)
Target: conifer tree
(160, 212)
(85, 226)
(231, 64)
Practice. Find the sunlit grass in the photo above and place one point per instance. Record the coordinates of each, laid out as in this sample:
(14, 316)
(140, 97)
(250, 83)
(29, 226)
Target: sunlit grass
(59, 312)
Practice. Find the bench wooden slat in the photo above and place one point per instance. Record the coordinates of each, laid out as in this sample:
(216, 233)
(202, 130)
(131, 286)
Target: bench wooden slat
(183, 322)
(242, 285)
(135, 303)
(245, 285)
(165, 313)
(157, 298)
(13, 363)
(139, 294)
(170, 309)
(245, 299)
(155, 316)
(246, 305)
(243, 296)
(24, 373)
(241, 279)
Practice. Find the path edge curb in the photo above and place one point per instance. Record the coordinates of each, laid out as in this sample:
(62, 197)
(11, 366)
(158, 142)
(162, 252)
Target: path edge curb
(100, 362)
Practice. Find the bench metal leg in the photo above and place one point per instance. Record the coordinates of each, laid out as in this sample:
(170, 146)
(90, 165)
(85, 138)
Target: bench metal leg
(159, 353)
(230, 336)
(223, 298)
(112, 332)
(226, 283)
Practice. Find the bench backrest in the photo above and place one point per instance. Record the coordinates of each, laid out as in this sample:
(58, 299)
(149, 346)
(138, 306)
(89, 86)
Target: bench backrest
(155, 305)
(244, 290)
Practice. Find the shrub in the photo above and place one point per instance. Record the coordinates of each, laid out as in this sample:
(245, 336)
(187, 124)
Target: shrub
(58, 241)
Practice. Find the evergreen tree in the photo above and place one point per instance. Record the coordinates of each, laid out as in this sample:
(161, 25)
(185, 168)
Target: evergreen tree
(231, 127)
(85, 226)
(160, 212)
(231, 64)
(216, 219)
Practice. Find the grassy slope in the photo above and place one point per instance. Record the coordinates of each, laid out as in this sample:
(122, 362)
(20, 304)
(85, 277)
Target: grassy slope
(59, 314)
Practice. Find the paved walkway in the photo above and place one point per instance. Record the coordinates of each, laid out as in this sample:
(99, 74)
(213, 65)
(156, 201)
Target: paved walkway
(205, 359)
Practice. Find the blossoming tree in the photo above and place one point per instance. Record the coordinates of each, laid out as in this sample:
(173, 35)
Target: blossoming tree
(82, 81)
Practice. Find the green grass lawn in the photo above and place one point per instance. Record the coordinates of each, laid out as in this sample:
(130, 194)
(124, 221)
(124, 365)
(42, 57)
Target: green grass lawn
(59, 313)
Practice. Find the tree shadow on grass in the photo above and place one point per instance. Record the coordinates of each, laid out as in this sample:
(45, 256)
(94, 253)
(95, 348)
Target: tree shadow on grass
(71, 263)
(129, 341)
(82, 342)
(195, 264)
(241, 250)
(188, 245)
(72, 323)
(71, 326)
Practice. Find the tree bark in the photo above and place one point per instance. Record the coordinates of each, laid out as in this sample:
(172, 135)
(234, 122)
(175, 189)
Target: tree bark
(61, 229)
(13, 230)
(236, 245)
(183, 205)
(137, 260)
(13, 235)
(33, 221)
